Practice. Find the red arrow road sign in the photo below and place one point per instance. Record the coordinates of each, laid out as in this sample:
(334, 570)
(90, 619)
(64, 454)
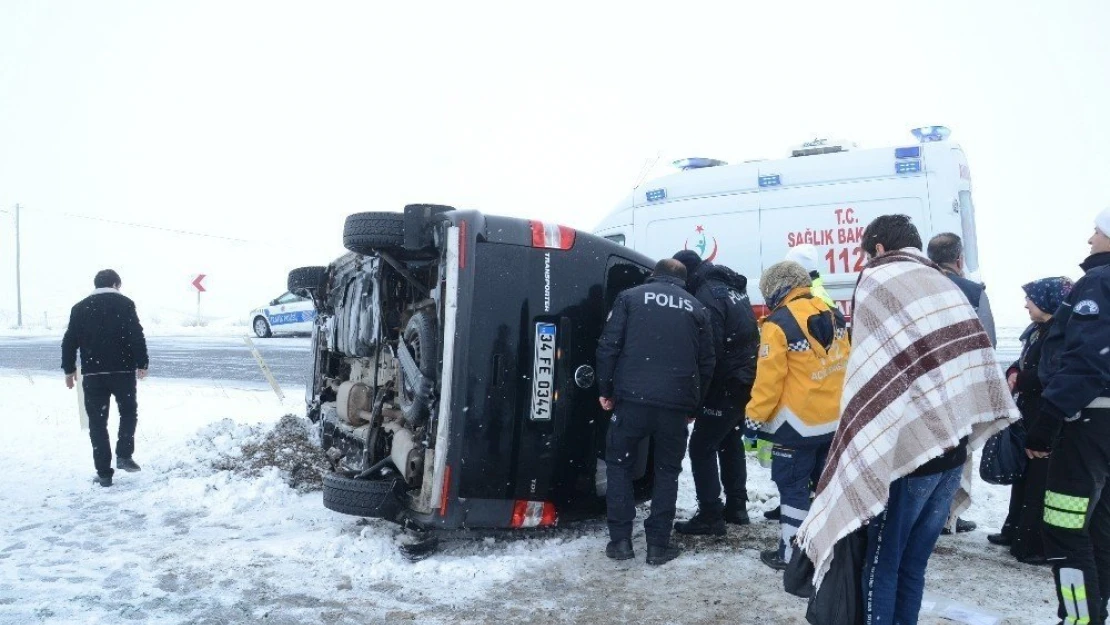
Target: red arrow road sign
(197, 283)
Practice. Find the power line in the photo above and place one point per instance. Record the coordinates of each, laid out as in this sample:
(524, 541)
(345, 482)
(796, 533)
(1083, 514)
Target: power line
(147, 226)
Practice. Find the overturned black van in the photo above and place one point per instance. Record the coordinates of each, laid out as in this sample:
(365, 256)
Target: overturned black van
(453, 377)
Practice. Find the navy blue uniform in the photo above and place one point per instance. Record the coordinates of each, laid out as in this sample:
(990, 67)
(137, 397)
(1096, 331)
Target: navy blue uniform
(717, 438)
(655, 360)
(1075, 425)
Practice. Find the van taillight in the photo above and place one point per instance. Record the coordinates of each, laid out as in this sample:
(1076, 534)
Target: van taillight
(760, 311)
(445, 491)
(533, 514)
(552, 236)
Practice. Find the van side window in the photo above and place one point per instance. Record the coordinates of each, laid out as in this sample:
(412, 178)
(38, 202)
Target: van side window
(622, 274)
(616, 238)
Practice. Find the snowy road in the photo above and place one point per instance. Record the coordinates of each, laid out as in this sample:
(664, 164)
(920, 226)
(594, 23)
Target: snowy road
(188, 541)
(184, 357)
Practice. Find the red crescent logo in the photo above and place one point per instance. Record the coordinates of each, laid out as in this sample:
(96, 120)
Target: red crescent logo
(714, 254)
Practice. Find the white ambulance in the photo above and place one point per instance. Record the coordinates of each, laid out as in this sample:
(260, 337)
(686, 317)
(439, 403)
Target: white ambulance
(747, 216)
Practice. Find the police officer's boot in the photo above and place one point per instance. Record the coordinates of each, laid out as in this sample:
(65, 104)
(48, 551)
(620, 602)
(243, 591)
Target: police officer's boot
(704, 523)
(736, 512)
(658, 554)
(619, 550)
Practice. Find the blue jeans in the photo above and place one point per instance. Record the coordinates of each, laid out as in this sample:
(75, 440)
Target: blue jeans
(899, 543)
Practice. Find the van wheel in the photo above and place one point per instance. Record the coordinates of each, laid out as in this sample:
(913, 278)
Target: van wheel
(367, 498)
(364, 233)
(420, 336)
(262, 328)
(306, 279)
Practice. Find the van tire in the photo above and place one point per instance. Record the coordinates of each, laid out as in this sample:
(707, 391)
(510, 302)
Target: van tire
(365, 233)
(305, 279)
(420, 334)
(366, 498)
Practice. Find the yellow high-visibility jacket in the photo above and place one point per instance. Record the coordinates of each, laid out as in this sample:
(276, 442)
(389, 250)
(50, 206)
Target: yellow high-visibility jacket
(798, 380)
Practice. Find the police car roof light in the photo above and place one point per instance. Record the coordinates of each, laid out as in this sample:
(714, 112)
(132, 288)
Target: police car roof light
(928, 134)
(552, 236)
(697, 163)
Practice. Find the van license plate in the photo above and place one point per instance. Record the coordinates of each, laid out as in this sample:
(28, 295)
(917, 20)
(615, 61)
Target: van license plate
(543, 372)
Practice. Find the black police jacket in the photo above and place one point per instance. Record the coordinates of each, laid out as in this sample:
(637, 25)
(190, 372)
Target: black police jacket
(106, 328)
(735, 331)
(1075, 358)
(657, 347)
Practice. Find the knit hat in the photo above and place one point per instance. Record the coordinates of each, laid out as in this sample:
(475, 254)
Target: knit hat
(1102, 222)
(1048, 293)
(780, 279)
(689, 258)
(805, 255)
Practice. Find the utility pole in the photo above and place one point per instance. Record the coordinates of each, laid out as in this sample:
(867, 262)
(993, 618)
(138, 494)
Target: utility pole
(18, 286)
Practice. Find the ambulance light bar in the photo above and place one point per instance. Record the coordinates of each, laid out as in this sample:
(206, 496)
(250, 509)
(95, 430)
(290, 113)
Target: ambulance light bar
(697, 163)
(822, 146)
(928, 134)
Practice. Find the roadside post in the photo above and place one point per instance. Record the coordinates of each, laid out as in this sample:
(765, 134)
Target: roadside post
(82, 414)
(200, 289)
(265, 368)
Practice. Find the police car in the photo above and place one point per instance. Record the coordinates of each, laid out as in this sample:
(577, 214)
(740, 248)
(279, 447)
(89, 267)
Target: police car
(286, 314)
(453, 372)
(747, 216)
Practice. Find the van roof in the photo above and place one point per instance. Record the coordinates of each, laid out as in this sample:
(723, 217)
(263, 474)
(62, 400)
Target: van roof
(910, 159)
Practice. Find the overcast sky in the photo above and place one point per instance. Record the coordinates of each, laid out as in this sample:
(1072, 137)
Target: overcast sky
(269, 122)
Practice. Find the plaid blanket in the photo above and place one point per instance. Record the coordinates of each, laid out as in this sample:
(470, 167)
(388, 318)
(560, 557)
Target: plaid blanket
(921, 375)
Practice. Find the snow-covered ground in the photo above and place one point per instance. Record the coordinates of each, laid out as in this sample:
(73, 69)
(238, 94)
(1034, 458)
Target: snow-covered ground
(189, 541)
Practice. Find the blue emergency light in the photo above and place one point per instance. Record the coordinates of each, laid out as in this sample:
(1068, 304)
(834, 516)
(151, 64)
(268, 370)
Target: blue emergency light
(656, 194)
(928, 134)
(910, 166)
(770, 180)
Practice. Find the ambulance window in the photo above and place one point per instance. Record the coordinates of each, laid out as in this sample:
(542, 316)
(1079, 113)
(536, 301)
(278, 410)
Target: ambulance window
(616, 238)
(971, 242)
(622, 274)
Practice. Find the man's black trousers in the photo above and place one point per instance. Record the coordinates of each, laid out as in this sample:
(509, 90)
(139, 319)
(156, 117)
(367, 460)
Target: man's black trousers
(718, 438)
(630, 424)
(1077, 517)
(99, 389)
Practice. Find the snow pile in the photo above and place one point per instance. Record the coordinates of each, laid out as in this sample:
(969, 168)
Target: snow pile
(288, 446)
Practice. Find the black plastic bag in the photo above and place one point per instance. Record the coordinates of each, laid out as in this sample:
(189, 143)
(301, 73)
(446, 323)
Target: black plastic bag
(1004, 457)
(839, 601)
(797, 579)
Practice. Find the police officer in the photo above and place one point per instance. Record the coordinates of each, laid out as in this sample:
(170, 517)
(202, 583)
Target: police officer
(1073, 431)
(717, 436)
(654, 364)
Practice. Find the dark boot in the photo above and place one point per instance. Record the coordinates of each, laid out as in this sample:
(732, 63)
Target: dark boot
(658, 554)
(619, 550)
(962, 526)
(1003, 538)
(104, 480)
(127, 464)
(704, 523)
(737, 513)
(773, 515)
(771, 558)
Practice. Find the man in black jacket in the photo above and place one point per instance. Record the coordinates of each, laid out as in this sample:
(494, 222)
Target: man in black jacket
(717, 435)
(105, 328)
(654, 364)
(1073, 431)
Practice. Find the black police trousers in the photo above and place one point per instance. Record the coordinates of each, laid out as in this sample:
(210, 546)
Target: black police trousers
(1077, 517)
(718, 438)
(99, 389)
(630, 424)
